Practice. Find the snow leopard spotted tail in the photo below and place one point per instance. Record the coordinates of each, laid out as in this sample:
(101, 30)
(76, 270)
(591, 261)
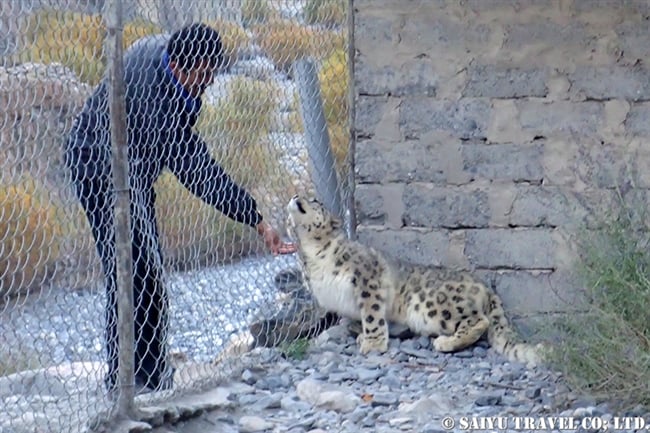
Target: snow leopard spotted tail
(504, 339)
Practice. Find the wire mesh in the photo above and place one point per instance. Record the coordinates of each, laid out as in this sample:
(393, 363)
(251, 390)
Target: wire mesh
(206, 288)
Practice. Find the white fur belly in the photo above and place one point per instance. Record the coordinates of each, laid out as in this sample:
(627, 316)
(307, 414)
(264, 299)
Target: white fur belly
(335, 293)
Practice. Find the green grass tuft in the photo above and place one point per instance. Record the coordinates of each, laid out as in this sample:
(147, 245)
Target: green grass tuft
(296, 349)
(605, 350)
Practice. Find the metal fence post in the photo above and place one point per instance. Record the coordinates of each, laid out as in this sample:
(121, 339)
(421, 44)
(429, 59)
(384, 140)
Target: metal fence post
(318, 142)
(122, 223)
(351, 219)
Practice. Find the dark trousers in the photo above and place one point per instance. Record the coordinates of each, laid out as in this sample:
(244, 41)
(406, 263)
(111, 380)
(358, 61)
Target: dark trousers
(149, 296)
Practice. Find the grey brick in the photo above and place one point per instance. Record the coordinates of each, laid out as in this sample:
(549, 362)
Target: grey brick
(430, 31)
(372, 30)
(633, 39)
(425, 248)
(604, 165)
(610, 82)
(404, 78)
(465, 119)
(638, 119)
(511, 5)
(525, 293)
(369, 111)
(545, 206)
(594, 206)
(641, 7)
(595, 163)
(548, 33)
(445, 207)
(498, 82)
(409, 161)
(559, 207)
(545, 118)
(379, 204)
(369, 204)
(516, 249)
(504, 161)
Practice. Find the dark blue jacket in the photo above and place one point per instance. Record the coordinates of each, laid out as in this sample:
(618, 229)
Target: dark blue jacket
(159, 134)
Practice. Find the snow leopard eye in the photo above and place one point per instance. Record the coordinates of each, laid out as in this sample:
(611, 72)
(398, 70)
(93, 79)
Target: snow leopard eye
(301, 209)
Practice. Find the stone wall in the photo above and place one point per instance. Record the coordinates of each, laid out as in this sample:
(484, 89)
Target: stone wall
(489, 133)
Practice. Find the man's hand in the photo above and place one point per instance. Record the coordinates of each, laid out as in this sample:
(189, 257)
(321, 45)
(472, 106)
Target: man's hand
(273, 241)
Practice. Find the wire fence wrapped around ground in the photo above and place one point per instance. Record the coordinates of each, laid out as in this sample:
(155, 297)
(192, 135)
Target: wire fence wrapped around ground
(180, 216)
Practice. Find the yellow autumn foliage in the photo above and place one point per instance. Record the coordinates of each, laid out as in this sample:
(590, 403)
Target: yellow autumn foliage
(334, 77)
(244, 115)
(233, 38)
(29, 236)
(285, 41)
(326, 12)
(74, 40)
(257, 11)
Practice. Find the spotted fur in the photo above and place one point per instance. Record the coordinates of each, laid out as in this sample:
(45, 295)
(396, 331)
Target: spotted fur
(356, 281)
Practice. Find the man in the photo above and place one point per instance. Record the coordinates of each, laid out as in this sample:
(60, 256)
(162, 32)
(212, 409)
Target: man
(165, 78)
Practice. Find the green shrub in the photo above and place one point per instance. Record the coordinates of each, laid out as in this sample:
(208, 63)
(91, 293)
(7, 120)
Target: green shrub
(326, 12)
(29, 236)
(296, 349)
(605, 350)
(74, 40)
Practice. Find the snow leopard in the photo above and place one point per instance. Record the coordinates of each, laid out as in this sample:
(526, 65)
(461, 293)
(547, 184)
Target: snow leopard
(346, 277)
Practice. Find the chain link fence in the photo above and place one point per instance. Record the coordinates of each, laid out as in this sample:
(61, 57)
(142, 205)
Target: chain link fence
(275, 119)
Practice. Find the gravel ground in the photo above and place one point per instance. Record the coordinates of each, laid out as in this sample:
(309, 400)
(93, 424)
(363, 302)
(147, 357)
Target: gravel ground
(411, 388)
(333, 388)
(206, 308)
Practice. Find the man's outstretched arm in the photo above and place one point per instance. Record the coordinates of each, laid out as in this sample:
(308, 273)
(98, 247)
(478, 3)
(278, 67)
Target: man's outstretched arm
(190, 161)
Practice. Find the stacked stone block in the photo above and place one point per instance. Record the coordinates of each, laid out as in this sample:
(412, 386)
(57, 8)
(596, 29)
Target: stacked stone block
(490, 134)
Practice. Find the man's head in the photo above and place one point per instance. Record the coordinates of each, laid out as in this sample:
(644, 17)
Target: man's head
(194, 54)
